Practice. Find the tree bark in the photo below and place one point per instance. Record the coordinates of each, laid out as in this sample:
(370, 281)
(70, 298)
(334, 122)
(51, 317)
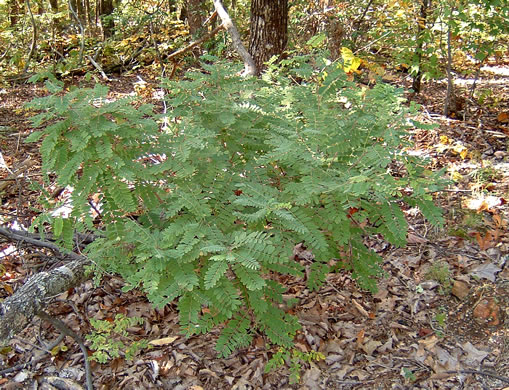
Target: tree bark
(106, 8)
(421, 29)
(194, 16)
(57, 23)
(17, 311)
(13, 12)
(269, 30)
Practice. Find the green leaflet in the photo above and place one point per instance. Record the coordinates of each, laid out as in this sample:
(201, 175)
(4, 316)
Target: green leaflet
(214, 273)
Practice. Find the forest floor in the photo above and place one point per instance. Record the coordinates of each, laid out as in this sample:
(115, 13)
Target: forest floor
(439, 321)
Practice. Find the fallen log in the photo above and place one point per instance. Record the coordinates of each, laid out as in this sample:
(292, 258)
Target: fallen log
(18, 310)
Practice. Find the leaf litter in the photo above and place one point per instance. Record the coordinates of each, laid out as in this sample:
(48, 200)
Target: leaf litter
(438, 321)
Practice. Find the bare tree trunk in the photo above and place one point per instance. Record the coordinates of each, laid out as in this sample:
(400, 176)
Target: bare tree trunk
(421, 29)
(57, 23)
(86, 6)
(82, 30)
(40, 8)
(335, 34)
(269, 30)
(106, 8)
(34, 37)
(194, 10)
(450, 100)
(54, 5)
(77, 7)
(13, 12)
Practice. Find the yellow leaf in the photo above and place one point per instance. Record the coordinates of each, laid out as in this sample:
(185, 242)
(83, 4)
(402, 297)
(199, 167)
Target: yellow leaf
(444, 140)
(464, 153)
(350, 62)
(456, 176)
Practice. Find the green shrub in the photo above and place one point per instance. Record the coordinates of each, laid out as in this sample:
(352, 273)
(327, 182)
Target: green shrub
(204, 203)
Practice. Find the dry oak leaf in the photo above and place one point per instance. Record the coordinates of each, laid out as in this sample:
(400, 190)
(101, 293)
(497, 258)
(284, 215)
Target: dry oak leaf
(488, 311)
(163, 341)
(503, 117)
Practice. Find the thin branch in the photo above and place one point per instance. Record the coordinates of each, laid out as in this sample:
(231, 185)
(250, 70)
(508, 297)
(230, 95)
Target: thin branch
(34, 37)
(35, 359)
(249, 64)
(82, 31)
(195, 43)
(6, 51)
(483, 373)
(98, 67)
(359, 19)
(20, 236)
(62, 327)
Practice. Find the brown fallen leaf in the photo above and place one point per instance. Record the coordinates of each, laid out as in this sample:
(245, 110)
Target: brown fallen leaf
(163, 341)
(415, 239)
(488, 311)
(503, 117)
(370, 346)
(460, 289)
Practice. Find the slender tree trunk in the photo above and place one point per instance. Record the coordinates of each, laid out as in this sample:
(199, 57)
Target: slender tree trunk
(106, 8)
(249, 64)
(54, 5)
(34, 37)
(13, 12)
(421, 29)
(57, 23)
(269, 30)
(78, 7)
(88, 13)
(194, 11)
(450, 100)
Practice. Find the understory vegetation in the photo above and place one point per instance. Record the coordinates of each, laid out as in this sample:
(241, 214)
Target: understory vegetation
(205, 203)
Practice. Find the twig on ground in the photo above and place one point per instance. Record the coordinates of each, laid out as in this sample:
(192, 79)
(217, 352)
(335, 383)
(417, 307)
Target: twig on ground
(35, 359)
(62, 327)
(478, 372)
(98, 67)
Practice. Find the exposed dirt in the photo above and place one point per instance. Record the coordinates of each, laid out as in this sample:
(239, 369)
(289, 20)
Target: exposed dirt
(439, 320)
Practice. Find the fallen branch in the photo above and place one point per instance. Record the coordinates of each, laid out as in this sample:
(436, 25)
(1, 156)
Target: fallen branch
(22, 237)
(98, 67)
(195, 43)
(69, 332)
(482, 373)
(17, 311)
(35, 359)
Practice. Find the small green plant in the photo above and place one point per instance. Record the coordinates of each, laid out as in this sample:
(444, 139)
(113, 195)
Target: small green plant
(440, 318)
(440, 321)
(440, 272)
(485, 175)
(294, 359)
(408, 374)
(204, 204)
(107, 338)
